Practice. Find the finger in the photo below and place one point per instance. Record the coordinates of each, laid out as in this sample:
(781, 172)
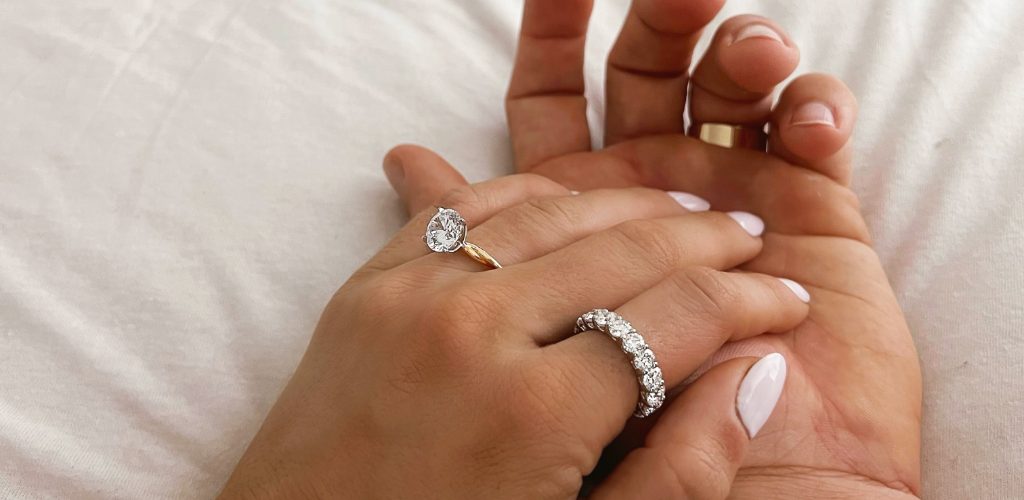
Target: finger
(734, 81)
(420, 176)
(709, 308)
(540, 226)
(812, 125)
(812, 261)
(698, 444)
(475, 202)
(545, 105)
(792, 200)
(648, 66)
(611, 267)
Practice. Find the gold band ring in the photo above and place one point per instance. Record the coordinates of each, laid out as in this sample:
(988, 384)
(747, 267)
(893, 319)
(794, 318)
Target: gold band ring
(731, 136)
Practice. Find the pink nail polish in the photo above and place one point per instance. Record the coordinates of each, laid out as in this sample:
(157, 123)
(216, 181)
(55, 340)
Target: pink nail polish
(750, 223)
(690, 202)
(813, 113)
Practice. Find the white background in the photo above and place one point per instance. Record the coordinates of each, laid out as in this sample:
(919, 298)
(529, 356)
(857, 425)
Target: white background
(183, 185)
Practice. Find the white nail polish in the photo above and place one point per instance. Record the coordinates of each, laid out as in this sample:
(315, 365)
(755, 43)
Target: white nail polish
(757, 30)
(690, 202)
(750, 223)
(797, 289)
(760, 391)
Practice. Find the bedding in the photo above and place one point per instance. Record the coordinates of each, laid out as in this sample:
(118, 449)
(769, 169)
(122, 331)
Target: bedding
(184, 184)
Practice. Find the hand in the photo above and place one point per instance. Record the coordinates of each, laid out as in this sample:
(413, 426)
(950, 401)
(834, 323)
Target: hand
(849, 421)
(428, 376)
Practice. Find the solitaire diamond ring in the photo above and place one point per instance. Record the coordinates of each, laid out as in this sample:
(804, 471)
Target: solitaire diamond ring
(446, 233)
(648, 374)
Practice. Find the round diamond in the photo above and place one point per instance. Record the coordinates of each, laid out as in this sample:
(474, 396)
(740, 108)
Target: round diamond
(618, 328)
(652, 380)
(446, 231)
(602, 318)
(644, 361)
(633, 343)
(588, 320)
(653, 399)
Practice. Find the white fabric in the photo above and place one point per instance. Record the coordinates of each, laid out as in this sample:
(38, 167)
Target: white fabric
(183, 185)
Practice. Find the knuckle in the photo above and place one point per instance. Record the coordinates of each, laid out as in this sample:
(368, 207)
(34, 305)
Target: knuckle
(554, 210)
(533, 399)
(378, 297)
(461, 197)
(537, 182)
(708, 291)
(649, 239)
(548, 215)
(453, 320)
(709, 471)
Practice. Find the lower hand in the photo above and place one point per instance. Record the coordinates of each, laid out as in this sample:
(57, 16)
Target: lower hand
(429, 376)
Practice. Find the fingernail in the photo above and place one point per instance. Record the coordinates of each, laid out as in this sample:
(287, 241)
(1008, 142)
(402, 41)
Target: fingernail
(797, 289)
(750, 223)
(689, 201)
(813, 113)
(757, 30)
(395, 172)
(760, 391)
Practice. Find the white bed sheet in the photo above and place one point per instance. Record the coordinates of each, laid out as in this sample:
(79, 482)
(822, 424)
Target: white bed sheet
(183, 184)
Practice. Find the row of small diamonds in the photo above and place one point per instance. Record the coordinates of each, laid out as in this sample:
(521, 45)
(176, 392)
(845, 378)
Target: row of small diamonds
(648, 373)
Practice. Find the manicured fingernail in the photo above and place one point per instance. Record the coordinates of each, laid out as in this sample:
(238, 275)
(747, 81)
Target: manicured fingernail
(690, 202)
(797, 289)
(395, 172)
(750, 223)
(574, 193)
(757, 30)
(813, 113)
(760, 391)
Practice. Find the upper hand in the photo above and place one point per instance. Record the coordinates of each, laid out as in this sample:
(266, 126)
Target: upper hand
(429, 376)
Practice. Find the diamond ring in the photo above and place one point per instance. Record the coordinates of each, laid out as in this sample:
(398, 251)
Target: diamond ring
(648, 374)
(446, 233)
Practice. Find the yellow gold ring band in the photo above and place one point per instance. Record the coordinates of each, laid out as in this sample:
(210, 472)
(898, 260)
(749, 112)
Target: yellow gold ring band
(731, 136)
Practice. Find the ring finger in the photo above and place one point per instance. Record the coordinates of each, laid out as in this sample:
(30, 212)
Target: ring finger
(684, 320)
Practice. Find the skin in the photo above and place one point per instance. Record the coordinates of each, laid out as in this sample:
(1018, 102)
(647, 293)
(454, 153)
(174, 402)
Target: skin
(430, 378)
(848, 423)
(379, 407)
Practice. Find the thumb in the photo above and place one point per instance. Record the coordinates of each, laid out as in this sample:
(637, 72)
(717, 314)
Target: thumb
(419, 176)
(698, 444)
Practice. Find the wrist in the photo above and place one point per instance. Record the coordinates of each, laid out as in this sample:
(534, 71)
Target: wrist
(272, 474)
